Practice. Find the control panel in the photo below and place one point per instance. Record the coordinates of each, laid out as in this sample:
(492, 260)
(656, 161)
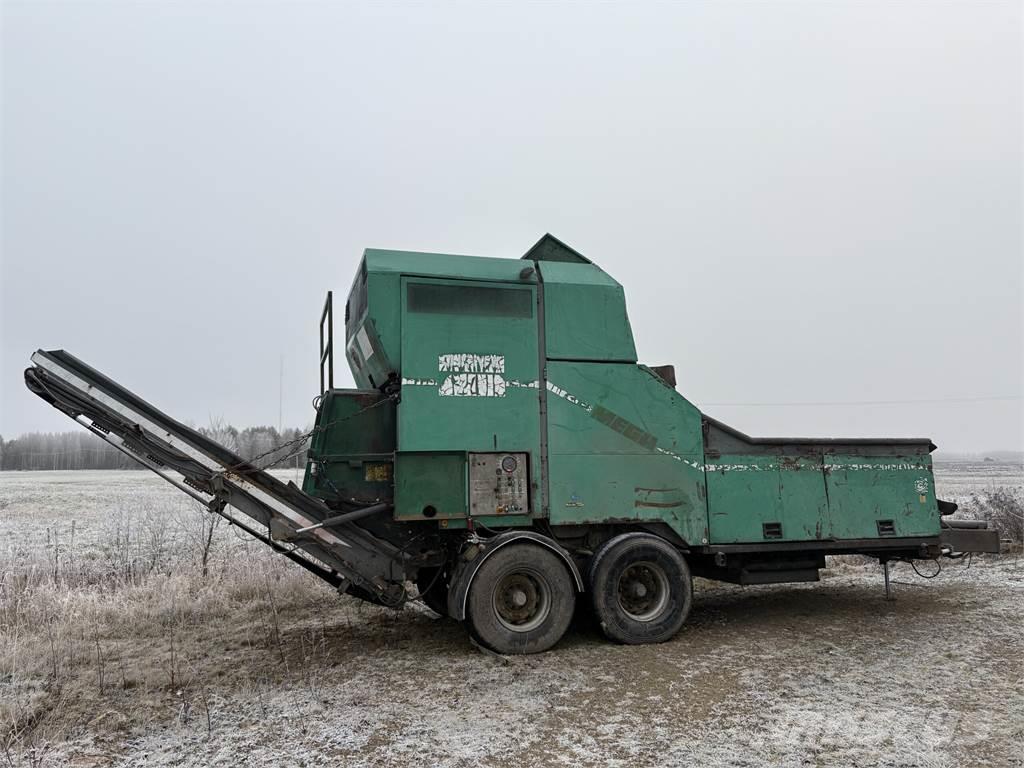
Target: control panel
(498, 484)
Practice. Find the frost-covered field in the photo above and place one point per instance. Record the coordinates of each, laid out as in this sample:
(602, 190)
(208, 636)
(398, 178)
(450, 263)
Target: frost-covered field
(117, 649)
(956, 481)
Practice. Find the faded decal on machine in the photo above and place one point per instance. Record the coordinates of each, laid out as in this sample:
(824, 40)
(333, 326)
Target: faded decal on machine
(624, 427)
(364, 343)
(921, 486)
(470, 363)
(472, 375)
(472, 385)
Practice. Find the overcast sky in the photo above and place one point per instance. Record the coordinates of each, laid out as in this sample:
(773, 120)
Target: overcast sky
(806, 202)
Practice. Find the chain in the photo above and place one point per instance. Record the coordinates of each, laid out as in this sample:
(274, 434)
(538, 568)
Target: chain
(253, 462)
(242, 469)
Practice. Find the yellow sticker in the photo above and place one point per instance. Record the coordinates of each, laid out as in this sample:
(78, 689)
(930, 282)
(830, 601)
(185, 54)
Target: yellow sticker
(378, 473)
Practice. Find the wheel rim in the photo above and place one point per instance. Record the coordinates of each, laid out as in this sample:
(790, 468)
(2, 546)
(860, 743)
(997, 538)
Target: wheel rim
(521, 600)
(643, 591)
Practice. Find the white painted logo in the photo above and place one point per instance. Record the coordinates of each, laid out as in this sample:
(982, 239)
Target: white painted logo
(469, 363)
(471, 375)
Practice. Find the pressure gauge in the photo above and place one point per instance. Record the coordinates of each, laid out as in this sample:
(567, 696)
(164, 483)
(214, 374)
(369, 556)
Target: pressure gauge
(509, 464)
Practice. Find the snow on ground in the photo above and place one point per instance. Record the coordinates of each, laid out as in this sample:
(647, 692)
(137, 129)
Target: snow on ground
(826, 674)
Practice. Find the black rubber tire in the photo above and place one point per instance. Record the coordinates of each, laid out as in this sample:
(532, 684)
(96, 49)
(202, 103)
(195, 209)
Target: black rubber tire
(611, 562)
(546, 571)
(434, 589)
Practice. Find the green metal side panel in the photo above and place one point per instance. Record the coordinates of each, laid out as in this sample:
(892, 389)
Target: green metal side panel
(385, 311)
(470, 379)
(804, 500)
(585, 399)
(431, 485)
(743, 494)
(585, 314)
(623, 446)
(747, 491)
(353, 446)
(837, 497)
(616, 488)
(863, 490)
(372, 323)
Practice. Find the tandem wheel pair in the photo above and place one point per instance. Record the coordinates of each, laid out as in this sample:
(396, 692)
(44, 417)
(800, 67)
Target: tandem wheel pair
(522, 596)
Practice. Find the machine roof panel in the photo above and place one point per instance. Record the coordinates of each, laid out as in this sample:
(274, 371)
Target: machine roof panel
(442, 265)
(559, 264)
(576, 274)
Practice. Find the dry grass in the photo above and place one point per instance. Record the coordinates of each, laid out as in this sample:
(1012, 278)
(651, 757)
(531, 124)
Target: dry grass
(1002, 508)
(111, 630)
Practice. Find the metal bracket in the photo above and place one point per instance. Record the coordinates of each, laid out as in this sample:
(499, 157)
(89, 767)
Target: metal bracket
(220, 494)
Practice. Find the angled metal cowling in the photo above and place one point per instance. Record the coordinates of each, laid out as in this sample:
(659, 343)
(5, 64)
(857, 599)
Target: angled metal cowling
(343, 554)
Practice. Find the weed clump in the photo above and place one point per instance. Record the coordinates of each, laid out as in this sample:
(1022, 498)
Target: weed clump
(1002, 508)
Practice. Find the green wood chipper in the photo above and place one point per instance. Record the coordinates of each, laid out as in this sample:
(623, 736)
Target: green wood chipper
(505, 457)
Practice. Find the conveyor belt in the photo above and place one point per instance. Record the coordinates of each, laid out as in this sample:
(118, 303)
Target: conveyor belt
(216, 476)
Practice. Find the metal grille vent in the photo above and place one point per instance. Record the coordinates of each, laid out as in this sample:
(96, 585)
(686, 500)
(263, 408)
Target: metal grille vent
(772, 530)
(886, 528)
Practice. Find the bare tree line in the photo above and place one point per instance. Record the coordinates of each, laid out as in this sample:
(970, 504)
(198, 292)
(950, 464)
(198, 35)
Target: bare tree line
(83, 450)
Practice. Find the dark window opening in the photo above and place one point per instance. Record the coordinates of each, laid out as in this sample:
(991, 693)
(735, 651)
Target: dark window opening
(477, 300)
